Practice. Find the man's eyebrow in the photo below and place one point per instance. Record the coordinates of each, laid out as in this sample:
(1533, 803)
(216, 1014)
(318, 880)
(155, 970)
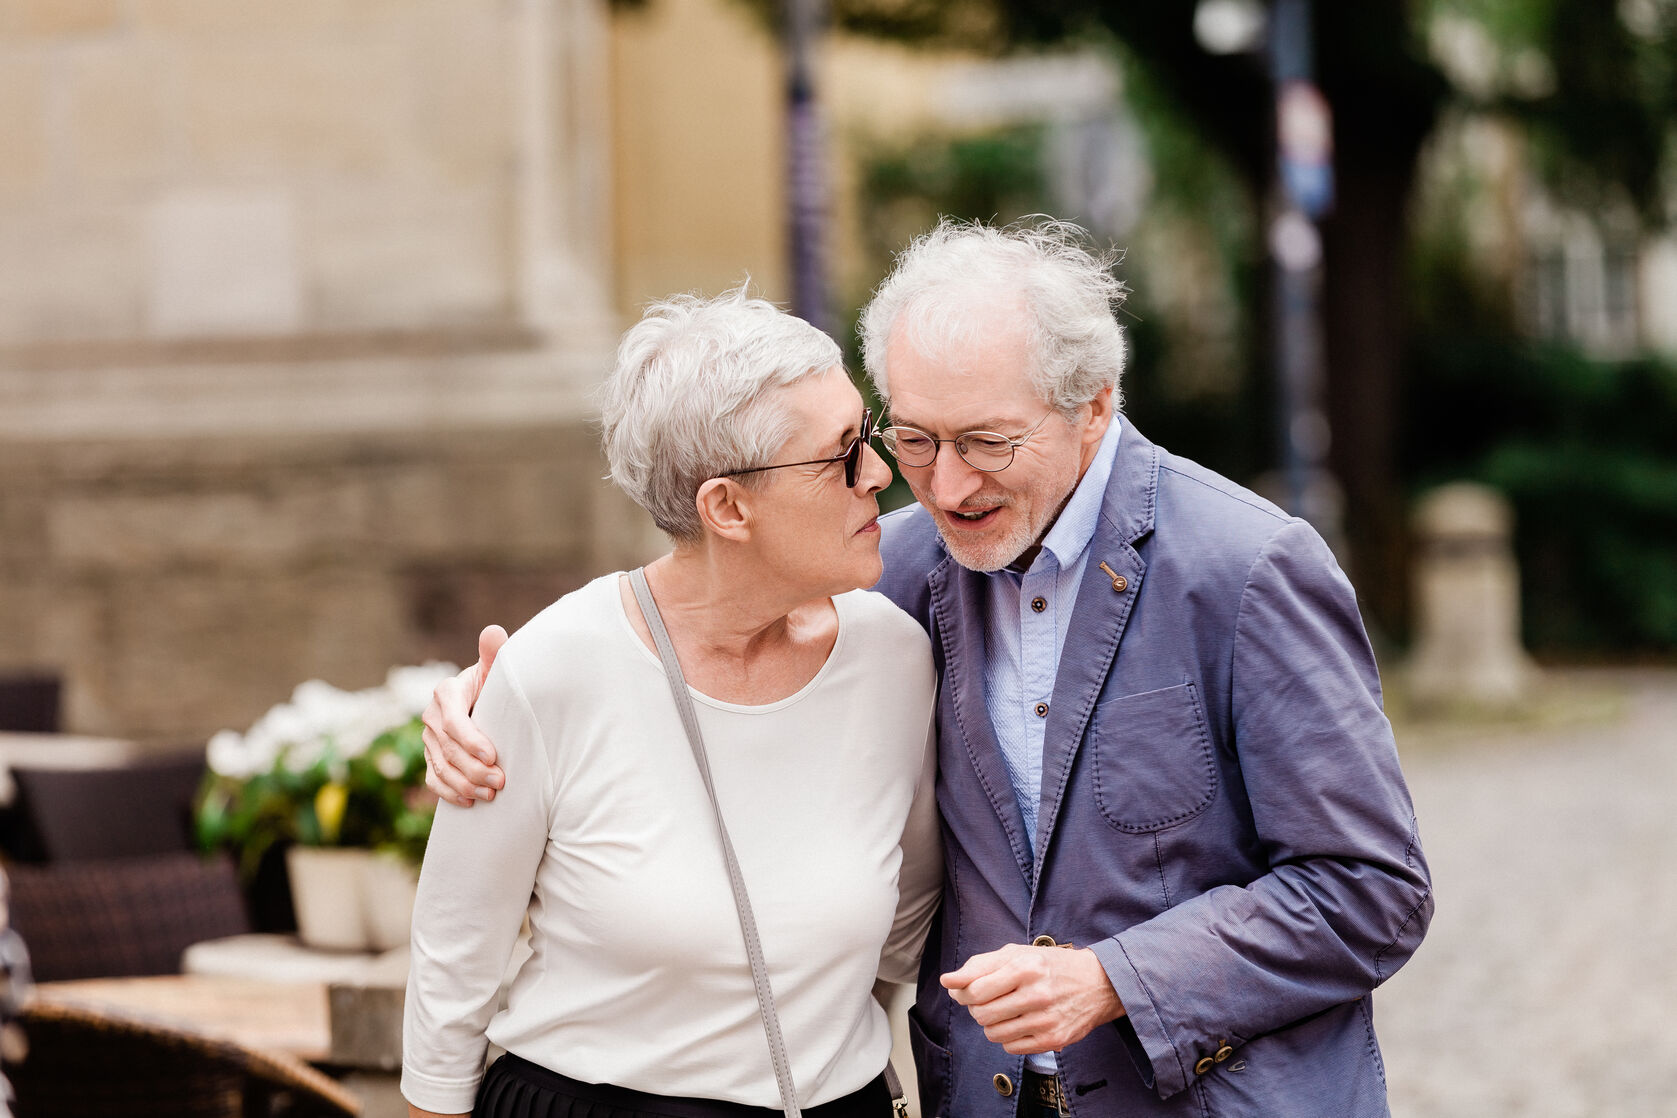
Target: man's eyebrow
(992, 423)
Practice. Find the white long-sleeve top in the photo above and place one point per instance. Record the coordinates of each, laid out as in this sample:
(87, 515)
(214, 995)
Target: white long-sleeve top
(603, 834)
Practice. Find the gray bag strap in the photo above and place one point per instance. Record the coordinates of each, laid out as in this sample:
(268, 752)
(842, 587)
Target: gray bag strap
(748, 923)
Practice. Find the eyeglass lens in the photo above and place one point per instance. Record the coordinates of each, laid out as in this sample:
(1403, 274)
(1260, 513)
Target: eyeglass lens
(853, 456)
(982, 450)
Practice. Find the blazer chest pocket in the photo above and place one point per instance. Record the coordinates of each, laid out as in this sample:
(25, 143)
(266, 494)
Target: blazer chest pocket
(1153, 764)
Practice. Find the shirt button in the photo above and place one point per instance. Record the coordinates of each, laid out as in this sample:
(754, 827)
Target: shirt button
(1039, 604)
(1041, 710)
(1004, 1085)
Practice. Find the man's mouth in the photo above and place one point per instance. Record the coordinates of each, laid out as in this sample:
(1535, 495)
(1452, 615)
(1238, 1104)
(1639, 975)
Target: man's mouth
(973, 517)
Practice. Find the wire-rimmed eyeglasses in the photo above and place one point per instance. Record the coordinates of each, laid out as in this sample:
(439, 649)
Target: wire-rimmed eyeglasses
(852, 456)
(982, 450)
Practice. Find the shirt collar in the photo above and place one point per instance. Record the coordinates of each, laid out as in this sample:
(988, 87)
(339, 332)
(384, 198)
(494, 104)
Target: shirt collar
(1075, 526)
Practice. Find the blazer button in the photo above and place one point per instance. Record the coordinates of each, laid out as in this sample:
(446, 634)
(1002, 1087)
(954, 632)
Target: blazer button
(1039, 604)
(1223, 1053)
(1004, 1085)
(1205, 1065)
(1044, 941)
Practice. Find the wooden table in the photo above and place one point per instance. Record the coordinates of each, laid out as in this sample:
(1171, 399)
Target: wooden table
(289, 1017)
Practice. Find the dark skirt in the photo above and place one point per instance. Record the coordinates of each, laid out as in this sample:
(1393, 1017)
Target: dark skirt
(515, 1088)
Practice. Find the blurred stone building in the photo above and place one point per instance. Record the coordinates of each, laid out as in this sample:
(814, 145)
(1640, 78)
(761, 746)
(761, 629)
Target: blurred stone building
(300, 302)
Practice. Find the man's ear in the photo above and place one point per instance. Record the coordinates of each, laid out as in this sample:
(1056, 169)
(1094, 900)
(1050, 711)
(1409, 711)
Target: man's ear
(1100, 418)
(724, 506)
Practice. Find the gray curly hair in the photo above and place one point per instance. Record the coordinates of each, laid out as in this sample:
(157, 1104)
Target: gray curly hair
(948, 282)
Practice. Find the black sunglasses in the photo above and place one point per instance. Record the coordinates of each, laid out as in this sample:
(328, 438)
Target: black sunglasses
(852, 456)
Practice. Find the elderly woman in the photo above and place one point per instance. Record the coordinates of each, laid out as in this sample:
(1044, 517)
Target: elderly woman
(736, 427)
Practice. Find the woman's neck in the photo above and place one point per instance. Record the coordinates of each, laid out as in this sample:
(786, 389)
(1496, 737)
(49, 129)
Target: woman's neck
(741, 636)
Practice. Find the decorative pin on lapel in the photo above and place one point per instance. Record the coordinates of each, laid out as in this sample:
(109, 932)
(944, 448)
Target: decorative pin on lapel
(1119, 582)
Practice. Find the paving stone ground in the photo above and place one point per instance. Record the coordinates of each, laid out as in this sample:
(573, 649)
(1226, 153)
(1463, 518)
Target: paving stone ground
(1547, 986)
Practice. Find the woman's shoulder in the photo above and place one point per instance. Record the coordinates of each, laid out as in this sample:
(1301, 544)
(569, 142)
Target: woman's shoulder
(883, 631)
(572, 632)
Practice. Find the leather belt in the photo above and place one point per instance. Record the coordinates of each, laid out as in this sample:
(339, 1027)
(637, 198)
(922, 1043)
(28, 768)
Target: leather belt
(1045, 1090)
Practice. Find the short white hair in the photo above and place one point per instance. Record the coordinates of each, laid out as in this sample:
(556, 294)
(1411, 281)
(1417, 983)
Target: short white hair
(954, 280)
(692, 395)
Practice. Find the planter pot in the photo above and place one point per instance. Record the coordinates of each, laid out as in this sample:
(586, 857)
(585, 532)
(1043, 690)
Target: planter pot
(351, 898)
(387, 891)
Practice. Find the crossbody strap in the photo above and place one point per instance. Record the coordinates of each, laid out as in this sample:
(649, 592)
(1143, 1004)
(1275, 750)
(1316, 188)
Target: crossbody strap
(748, 923)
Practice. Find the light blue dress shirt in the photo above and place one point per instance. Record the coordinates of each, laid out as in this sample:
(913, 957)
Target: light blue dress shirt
(1025, 629)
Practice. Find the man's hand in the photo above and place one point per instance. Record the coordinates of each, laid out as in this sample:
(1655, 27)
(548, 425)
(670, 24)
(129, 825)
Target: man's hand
(460, 758)
(1035, 999)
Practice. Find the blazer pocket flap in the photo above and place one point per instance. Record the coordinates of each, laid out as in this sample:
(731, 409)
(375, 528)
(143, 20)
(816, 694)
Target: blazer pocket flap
(1153, 762)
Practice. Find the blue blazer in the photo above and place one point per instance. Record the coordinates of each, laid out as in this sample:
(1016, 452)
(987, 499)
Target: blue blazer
(1223, 820)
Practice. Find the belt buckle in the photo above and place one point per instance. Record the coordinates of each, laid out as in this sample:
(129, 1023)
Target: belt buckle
(1050, 1093)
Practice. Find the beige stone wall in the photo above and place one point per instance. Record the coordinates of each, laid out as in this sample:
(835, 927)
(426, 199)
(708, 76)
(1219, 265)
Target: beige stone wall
(299, 304)
(697, 151)
(185, 586)
(178, 168)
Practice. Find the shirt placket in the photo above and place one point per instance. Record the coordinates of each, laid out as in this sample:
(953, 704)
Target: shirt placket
(1037, 604)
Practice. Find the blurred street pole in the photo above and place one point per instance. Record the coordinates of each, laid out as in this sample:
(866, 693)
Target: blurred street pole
(1304, 170)
(806, 195)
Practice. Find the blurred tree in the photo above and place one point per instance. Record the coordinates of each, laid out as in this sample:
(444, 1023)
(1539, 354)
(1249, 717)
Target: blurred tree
(1594, 83)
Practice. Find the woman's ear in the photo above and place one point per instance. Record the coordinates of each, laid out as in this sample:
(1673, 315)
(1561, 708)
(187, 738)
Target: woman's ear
(724, 507)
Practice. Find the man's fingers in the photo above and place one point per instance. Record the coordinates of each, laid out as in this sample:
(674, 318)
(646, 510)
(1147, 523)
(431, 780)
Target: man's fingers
(973, 968)
(1009, 1008)
(444, 777)
(449, 717)
(1027, 1030)
(466, 748)
(1017, 970)
(452, 758)
(444, 792)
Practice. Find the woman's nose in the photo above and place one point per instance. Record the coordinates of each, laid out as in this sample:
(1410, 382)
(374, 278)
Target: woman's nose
(874, 474)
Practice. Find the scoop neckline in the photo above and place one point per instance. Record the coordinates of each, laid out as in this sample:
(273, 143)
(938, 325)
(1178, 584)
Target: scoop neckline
(657, 662)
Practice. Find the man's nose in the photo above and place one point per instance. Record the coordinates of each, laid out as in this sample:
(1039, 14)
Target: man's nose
(953, 481)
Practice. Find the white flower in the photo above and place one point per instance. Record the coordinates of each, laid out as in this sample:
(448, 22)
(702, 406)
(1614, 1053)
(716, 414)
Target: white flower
(285, 724)
(411, 687)
(375, 712)
(301, 756)
(321, 718)
(324, 708)
(390, 765)
(227, 755)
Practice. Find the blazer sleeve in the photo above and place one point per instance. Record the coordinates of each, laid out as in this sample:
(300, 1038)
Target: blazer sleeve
(1347, 896)
(465, 920)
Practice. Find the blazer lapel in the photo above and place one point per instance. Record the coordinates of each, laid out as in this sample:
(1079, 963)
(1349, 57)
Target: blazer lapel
(1105, 597)
(957, 612)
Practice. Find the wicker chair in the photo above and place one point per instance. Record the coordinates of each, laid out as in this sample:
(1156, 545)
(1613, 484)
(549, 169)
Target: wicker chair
(78, 814)
(86, 1064)
(125, 916)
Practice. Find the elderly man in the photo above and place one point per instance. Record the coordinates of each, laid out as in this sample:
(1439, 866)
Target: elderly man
(1180, 852)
